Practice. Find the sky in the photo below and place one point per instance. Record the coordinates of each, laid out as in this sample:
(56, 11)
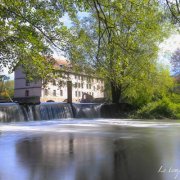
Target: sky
(167, 48)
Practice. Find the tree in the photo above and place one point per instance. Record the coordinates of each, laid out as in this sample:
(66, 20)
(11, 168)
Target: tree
(29, 32)
(174, 8)
(6, 88)
(120, 41)
(175, 61)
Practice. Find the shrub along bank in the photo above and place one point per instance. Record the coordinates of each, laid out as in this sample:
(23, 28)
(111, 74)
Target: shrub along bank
(164, 108)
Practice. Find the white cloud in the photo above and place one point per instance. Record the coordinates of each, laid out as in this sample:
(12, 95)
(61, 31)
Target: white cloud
(170, 44)
(167, 48)
(5, 71)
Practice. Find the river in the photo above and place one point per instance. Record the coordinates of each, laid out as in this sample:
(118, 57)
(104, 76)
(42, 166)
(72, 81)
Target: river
(90, 149)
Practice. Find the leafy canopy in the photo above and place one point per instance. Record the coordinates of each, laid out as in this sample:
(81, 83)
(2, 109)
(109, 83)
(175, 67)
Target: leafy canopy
(120, 41)
(29, 32)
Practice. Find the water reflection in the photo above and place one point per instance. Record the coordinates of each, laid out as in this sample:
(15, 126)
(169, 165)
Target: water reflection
(66, 157)
(135, 160)
(87, 157)
(92, 152)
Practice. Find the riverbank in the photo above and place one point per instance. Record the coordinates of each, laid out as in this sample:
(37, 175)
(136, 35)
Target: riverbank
(166, 108)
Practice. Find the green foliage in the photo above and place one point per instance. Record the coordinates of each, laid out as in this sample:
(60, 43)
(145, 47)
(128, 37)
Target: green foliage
(29, 30)
(7, 90)
(165, 105)
(164, 108)
(175, 98)
(120, 40)
(155, 86)
(173, 7)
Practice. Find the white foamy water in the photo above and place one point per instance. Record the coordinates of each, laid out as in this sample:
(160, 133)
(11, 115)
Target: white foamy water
(75, 125)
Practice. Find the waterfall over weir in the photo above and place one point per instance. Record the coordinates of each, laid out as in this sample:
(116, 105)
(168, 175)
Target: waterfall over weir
(86, 110)
(47, 111)
(13, 112)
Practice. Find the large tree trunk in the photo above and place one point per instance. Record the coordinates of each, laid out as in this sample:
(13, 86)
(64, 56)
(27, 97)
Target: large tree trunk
(116, 93)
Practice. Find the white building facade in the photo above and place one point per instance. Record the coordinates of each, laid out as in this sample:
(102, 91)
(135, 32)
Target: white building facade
(84, 87)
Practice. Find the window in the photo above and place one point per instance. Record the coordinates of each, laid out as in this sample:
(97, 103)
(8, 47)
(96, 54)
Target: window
(102, 88)
(79, 93)
(92, 94)
(54, 82)
(46, 92)
(54, 92)
(75, 77)
(82, 85)
(27, 93)
(79, 77)
(75, 85)
(82, 78)
(60, 83)
(79, 85)
(94, 88)
(75, 93)
(61, 92)
(89, 86)
(27, 83)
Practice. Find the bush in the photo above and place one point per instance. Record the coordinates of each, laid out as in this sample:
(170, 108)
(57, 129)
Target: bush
(160, 109)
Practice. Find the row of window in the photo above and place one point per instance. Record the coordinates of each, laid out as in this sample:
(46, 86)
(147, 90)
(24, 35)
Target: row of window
(88, 86)
(46, 92)
(81, 85)
(79, 93)
(88, 79)
(27, 82)
(60, 83)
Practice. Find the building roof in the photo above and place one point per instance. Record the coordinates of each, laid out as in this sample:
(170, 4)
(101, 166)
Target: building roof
(66, 65)
(60, 63)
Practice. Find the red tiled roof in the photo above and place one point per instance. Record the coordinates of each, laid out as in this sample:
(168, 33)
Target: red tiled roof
(61, 62)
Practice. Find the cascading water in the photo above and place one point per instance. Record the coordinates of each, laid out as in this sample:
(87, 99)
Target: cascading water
(54, 111)
(10, 112)
(86, 110)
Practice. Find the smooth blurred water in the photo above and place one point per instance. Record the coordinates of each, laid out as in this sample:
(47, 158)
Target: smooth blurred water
(96, 149)
(86, 110)
(13, 112)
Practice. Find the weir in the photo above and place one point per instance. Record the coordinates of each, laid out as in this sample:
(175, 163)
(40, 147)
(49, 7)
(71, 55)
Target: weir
(13, 112)
(10, 112)
(86, 110)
